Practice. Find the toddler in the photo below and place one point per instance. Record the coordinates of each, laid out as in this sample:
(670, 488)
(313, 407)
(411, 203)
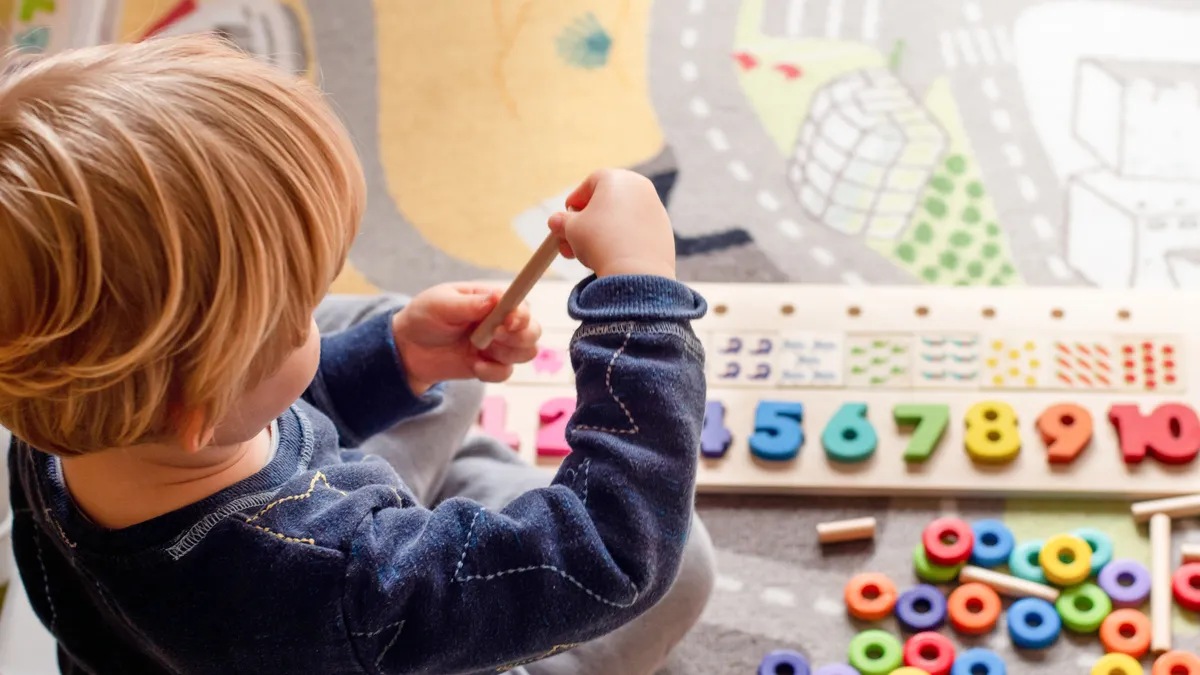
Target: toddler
(214, 471)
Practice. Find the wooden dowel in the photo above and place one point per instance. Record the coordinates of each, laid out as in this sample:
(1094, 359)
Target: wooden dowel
(1160, 583)
(1175, 507)
(1005, 584)
(529, 275)
(846, 530)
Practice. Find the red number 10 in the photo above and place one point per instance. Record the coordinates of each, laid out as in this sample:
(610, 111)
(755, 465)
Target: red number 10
(1171, 434)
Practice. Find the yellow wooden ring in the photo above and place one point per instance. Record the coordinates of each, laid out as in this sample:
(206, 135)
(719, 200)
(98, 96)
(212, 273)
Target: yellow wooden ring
(908, 670)
(1066, 560)
(1112, 664)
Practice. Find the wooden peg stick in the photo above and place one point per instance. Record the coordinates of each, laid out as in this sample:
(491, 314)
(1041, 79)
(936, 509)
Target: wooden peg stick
(517, 290)
(1160, 583)
(1014, 587)
(1191, 552)
(1175, 507)
(846, 530)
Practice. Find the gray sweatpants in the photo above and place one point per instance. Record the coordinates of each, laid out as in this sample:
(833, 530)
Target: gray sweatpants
(441, 455)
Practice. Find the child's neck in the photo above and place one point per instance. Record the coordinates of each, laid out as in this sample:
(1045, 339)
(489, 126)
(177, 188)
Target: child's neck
(126, 486)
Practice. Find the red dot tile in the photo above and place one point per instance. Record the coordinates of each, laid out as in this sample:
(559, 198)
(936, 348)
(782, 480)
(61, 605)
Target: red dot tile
(1130, 378)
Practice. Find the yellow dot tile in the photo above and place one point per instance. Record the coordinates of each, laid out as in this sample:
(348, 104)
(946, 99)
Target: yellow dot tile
(992, 363)
(1034, 363)
(1031, 381)
(1014, 371)
(998, 380)
(998, 345)
(1014, 354)
(1029, 346)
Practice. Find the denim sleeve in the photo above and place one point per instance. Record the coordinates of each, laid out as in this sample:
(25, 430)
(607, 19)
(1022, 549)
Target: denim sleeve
(461, 588)
(361, 384)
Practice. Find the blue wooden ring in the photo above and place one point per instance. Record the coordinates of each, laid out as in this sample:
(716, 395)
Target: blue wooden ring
(1023, 563)
(1101, 545)
(783, 661)
(979, 662)
(921, 608)
(994, 543)
(1033, 623)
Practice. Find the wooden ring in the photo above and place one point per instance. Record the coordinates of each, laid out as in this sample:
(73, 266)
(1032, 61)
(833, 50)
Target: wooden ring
(941, 552)
(1186, 586)
(1177, 663)
(974, 608)
(870, 597)
(931, 653)
(1077, 566)
(1126, 631)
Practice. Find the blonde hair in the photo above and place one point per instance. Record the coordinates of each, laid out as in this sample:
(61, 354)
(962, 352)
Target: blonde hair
(171, 213)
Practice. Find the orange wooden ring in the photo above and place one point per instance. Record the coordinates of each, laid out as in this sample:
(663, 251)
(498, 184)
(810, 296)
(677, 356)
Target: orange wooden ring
(1177, 663)
(1126, 631)
(870, 596)
(974, 608)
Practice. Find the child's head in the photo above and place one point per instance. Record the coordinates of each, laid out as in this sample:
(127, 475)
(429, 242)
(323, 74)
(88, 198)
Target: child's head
(170, 215)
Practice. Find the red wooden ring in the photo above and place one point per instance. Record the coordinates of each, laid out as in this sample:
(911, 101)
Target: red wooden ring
(1114, 641)
(931, 652)
(874, 608)
(1186, 584)
(941, 553)
(974, 608)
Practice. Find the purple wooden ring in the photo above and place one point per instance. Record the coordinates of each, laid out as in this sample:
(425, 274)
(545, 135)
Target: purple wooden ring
(836, 669)
(921, 608)
(775, 663)
(1113, 578)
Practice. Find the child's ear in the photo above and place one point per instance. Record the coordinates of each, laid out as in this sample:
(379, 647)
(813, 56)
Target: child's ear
(194, 431)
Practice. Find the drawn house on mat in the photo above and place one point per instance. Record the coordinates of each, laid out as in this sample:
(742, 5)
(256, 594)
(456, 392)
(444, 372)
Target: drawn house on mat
(1135, 221)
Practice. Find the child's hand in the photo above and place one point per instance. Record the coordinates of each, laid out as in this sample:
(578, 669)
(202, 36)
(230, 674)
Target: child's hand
(433, 336)
(618, 226)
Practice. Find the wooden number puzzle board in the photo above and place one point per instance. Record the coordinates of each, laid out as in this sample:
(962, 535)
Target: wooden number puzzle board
(828, 346)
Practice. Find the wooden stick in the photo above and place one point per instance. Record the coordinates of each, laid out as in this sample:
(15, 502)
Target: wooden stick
(1175, 507)
(1013, 587)
(846, 530)
(1160, 582)
(517, 290)
(1191, 552)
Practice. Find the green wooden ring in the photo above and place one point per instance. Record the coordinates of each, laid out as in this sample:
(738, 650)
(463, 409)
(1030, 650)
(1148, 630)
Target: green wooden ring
(1083, 608)
(927, 571)
(876, 652)
(1023, 561)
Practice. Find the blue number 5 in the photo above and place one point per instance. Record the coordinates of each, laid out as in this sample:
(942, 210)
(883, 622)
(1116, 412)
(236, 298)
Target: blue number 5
(777, 433)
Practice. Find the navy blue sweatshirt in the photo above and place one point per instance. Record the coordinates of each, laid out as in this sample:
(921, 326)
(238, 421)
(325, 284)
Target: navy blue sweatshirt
(324, 563)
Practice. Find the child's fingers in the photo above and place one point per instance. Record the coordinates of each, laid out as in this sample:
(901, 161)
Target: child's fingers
(558, 225)
(518, 319)
(501, 353)
(490, 371)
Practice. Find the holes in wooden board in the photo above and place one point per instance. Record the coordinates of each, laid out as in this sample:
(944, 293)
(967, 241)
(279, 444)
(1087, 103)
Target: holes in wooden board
(921, 310)
(988, 312)
(854, 310)
(1056, 313)
(787, 309)
(1123, 314)
(720, 309)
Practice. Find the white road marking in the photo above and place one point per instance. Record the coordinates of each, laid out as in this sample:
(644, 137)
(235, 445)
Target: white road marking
(870, 19)
(833, 19)
(972, 12)
(851, 278)
(1028, 190)
(696, 6)
(689, 71)
(1058, 267)
(700, 107)
(829, 607)
(689, 38)
(965, 46)
(822, 256)
(768, 201)
(740, 171)
(990, 88)
(948, 50)
(777, 596)
(791, 228)
(1005, 44)
(728, 584)
(794, 20)
(1041, 225)
(1001, 120)
(716, 138)
(1013, 152)
(985, 46)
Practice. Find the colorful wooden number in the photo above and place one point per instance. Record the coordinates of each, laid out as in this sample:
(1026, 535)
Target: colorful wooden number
(492, 416)
(1066, 429)
(552, 437)
(992, 434)
(849, 436)
(714, 437)
(1171, 434)
(929, 422)
(777, 433)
